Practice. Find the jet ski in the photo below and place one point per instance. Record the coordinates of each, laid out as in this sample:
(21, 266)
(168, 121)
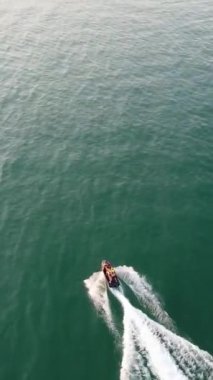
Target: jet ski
(110, 274)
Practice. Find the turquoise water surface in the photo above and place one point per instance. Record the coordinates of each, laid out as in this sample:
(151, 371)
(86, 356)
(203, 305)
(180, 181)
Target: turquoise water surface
(105, 152)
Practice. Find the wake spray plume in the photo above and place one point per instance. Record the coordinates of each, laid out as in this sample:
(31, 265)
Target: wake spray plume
(97, 291)
(145, 294)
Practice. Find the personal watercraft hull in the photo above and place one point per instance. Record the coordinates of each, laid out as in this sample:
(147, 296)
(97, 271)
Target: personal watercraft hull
(110, 274)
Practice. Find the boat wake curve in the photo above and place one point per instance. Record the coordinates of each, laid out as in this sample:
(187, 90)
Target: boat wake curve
(149, 349)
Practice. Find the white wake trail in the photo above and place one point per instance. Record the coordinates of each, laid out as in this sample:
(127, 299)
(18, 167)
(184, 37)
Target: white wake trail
(150, 350)
(97, 290)
(145, 294)
(136, 324)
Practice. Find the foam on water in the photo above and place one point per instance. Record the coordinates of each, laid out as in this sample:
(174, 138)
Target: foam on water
(97, 291)
(150, 350)
(145, 294)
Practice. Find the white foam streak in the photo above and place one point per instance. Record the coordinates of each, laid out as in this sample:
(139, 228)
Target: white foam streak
(161, 363)
(97, 290)
(145, 294)
(150, 350)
